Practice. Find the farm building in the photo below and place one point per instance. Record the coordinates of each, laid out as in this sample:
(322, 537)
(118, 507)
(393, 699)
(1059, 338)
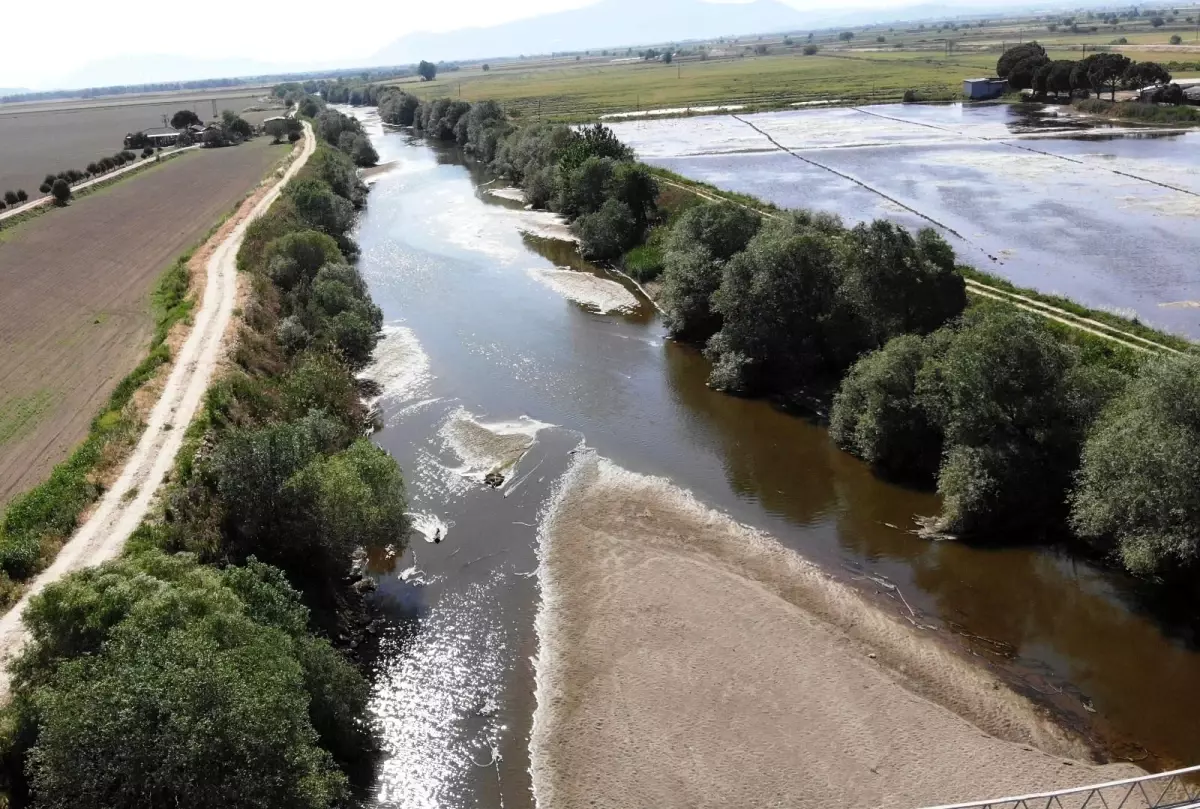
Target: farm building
(982, 89)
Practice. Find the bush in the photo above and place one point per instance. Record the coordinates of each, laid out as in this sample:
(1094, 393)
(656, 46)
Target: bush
(1136, 494)
(1176, 39)
(810, 50)
(690, 278)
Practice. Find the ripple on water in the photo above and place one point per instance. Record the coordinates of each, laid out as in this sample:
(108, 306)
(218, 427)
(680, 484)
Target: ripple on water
(400, 366)
(428, 679)
(598, 294)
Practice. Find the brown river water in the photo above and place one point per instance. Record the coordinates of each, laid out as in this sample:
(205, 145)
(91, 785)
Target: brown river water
(494, 359)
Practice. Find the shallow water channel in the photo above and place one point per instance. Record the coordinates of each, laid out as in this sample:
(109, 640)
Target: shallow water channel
(487, 354)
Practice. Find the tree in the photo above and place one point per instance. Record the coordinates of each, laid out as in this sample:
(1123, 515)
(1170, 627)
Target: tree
(1059, 79)
(1143, 74)
(21, 195)
(363, 153)
(667, 57)
(1158, 22)
(1136, 493)
(1176, 39)
(634, 185)
(295, 257)
(846, 36)
(319, 207)
(61, 191)
(608, 232)
(1029, 52)
(486, 67)
(45, 188)
(10, 197)
(896, 284)
(236, 125)
(184, 119)
(427, 70)
(293, 137)
(878, 416)
(1013, 405)
(775, 299)
(143, 672)
(1105, 70)
(810, 50)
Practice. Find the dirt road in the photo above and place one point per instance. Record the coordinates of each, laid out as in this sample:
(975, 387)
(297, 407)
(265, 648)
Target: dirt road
(124, 506)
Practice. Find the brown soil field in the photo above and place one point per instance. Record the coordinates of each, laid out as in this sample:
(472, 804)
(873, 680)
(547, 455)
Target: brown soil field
(41, 139)
(74, 296)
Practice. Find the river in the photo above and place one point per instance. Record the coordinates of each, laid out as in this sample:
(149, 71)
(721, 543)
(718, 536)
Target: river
(486, 355)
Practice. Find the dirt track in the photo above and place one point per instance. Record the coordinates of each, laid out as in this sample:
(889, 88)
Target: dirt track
(74, 291)
(125, 504)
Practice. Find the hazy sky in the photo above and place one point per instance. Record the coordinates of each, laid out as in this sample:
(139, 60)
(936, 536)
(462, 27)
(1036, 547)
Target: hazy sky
(269, 31)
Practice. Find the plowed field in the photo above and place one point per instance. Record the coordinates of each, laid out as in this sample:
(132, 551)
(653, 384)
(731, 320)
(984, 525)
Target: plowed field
(74, 296)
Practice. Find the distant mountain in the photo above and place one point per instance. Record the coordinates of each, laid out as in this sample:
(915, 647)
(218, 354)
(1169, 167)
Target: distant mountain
(609, 23)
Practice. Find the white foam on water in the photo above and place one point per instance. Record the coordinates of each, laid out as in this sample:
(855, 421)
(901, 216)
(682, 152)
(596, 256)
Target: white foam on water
(399, 366)
(488, 447)
(430, 526)
(600, 294)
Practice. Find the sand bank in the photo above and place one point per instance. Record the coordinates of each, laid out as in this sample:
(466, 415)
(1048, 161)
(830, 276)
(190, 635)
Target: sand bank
(687, 661)
(598, 294)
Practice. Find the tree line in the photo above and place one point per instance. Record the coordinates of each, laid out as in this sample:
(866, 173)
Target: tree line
(586, 174)
(198, 669)
(1028, 67)
(1016, 423)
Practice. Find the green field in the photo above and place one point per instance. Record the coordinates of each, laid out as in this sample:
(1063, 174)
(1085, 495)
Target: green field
(930, 59)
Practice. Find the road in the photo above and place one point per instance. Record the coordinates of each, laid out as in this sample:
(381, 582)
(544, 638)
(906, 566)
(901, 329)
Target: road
(126, 504)
(103, 178)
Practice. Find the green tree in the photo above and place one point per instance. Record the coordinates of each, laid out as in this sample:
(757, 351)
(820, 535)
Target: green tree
(585, 188)
(775, 300)
(277, 129)
(61, 190)
(1136, 495)
(294, 258)
(1157, 22)
(427, 70)
(878, 416)
(363, 153)
(1024, 60)
(21, 195)
(667, 57)
(319, 207)
(810, 50)
(1176, 39)
(846, 36)
(184, 118)
(144, 672)
(608, 232)
(1143, 74)
(1013, 406)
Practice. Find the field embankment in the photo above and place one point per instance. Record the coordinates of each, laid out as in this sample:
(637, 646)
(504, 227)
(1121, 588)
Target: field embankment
(75, 314)
(46, 138)
(689, 661)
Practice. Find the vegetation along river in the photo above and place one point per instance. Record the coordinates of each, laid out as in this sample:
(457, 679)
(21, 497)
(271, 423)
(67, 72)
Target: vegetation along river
(491, 361)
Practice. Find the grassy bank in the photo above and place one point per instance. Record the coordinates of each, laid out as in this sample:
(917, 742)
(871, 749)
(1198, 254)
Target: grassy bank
(1137, 111)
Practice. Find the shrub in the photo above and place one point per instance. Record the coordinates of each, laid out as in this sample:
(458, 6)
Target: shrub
(810, 49)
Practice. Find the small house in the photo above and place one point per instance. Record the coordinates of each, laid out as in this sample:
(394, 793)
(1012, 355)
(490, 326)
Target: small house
(985, 88)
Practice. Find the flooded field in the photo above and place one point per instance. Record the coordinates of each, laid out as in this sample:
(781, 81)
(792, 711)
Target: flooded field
(1066, 205)
(496, 360)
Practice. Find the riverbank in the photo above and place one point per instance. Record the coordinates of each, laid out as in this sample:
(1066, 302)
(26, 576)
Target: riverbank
(749, 677)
